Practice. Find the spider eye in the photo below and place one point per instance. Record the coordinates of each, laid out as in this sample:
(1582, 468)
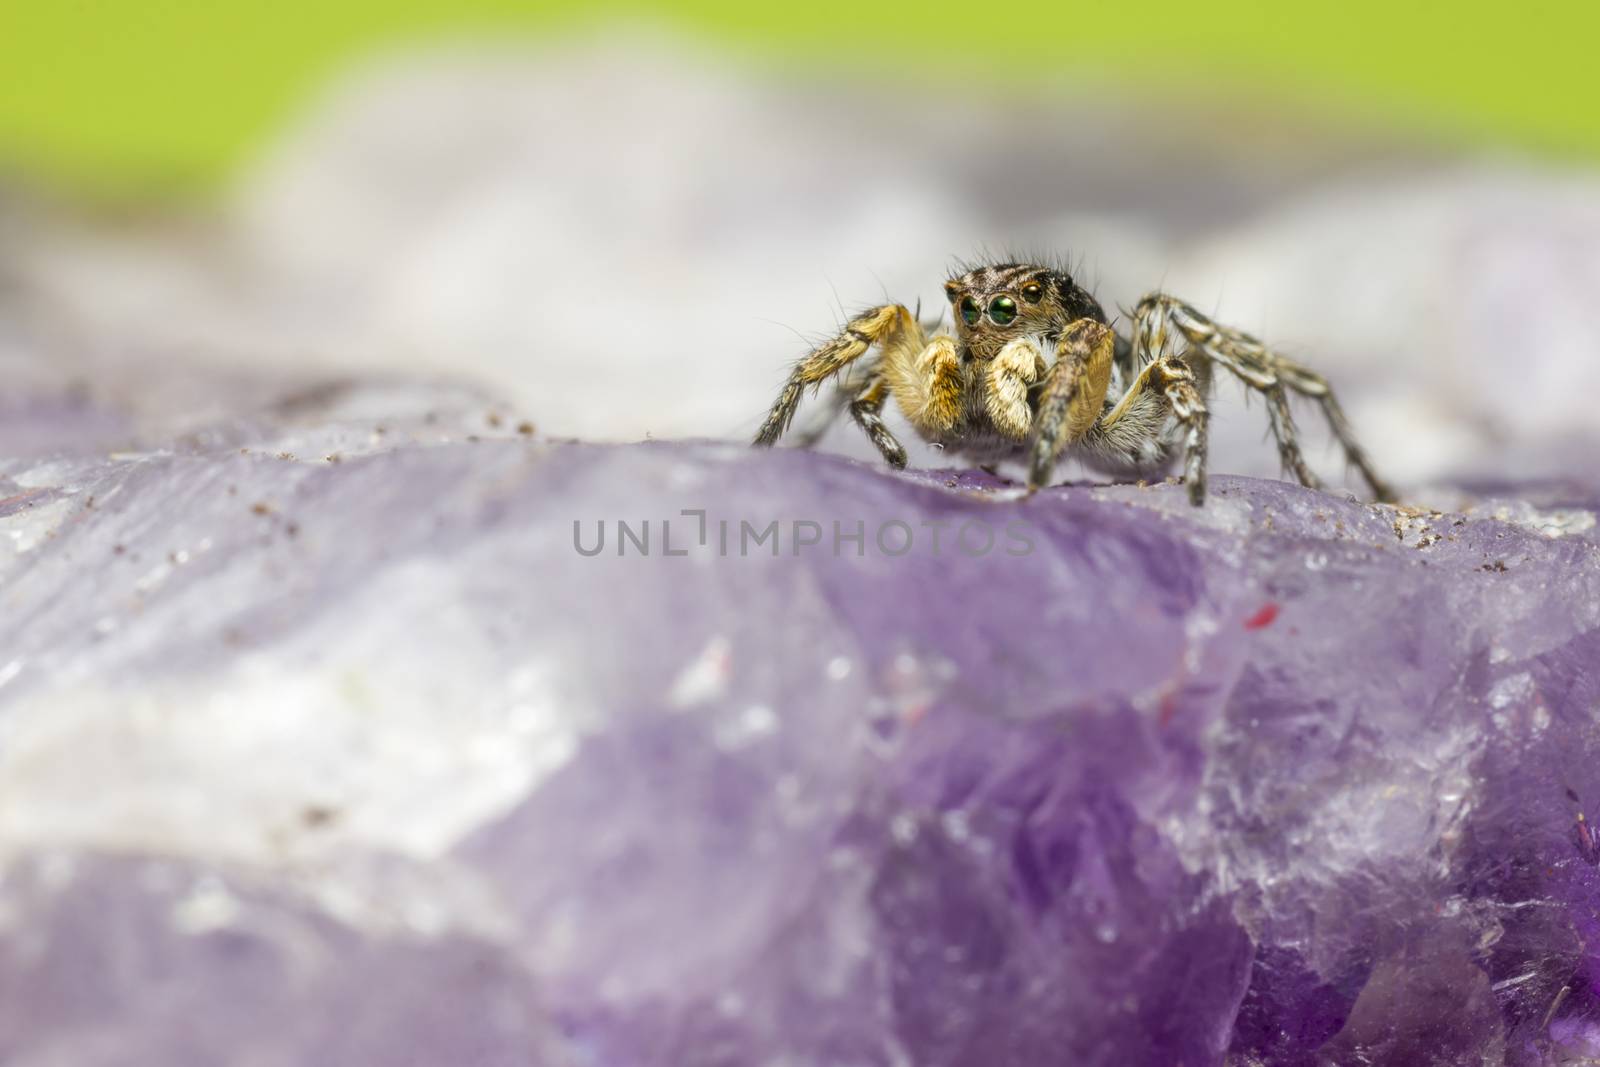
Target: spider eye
(970, 312)
(1033, 292)
(1002, 309)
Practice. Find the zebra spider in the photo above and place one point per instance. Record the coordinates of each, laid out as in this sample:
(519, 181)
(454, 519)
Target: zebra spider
(1034, 369)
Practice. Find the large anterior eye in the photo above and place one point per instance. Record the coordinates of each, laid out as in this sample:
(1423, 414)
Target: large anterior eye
(1002, 309)
(970, 312)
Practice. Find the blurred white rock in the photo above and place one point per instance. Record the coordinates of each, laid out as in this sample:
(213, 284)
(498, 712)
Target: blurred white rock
(1461, 305)
(631, 237)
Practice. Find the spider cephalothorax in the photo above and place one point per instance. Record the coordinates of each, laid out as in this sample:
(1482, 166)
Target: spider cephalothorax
(995, 304)
(1033, 368)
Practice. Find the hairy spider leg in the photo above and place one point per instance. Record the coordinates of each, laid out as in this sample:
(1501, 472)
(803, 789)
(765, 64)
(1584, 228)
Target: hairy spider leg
(876, 326)
(1073, 395)
(1261, 369)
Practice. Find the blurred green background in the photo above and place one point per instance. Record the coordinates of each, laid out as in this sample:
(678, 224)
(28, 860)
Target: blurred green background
(162, 94)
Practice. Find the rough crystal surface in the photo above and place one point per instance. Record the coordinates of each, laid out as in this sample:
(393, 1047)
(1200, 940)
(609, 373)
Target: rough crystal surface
(322, 740)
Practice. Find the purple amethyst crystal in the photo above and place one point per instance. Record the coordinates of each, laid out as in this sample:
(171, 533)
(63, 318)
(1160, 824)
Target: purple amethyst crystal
(323, 744)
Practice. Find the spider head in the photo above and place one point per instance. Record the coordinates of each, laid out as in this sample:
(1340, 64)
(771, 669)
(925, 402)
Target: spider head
(993, 305)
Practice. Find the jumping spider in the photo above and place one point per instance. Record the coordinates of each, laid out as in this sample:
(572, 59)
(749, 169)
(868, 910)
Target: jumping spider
(1034, 368)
